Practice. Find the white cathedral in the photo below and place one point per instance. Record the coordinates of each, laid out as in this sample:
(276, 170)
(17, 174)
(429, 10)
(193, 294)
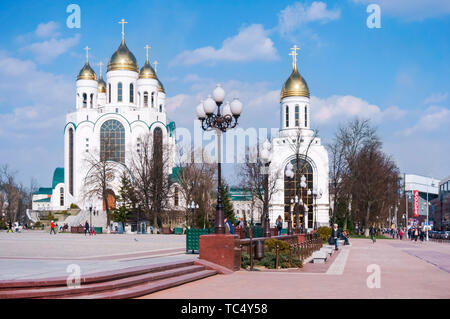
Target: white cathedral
(120, 110)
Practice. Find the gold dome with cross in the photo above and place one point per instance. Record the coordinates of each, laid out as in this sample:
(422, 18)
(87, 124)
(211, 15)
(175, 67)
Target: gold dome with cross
(86, 72)
(295, 85)
(123, 59)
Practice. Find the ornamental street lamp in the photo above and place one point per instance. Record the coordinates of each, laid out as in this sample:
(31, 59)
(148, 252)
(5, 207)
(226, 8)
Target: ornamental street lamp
(316, 194)
(266, 158)
(193, 206)
(220, 122)
(293, 202)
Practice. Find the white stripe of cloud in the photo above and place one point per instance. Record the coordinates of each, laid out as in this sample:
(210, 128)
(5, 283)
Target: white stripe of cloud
(250, 44)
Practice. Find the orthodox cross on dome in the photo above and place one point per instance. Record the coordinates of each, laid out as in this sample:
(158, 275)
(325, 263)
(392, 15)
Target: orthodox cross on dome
(123, 22)
(100, 64)
(87, 53)
(147, 47)
(294, 56)
(155, 63)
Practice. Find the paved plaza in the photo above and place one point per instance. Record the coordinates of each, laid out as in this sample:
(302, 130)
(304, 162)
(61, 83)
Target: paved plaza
(407, 269)
(36, 254)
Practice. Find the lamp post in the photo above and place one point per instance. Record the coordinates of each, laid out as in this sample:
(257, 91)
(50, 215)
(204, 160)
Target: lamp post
(90, 216)
(221, 122)
(266, 158)
(317, 195)
(293, 202)
(193, 206)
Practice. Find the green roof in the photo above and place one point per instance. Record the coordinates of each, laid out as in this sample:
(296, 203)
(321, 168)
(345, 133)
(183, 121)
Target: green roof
(58, 176)
(43, 191)
(175, 173)
(240, 194)
(44, 200)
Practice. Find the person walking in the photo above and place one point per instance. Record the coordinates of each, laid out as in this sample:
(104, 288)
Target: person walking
(229, 226)
(372, 233)
(279, 224)
(416, 234)
(86, 228)
(400, 233)
(335, 236)
(52, 227)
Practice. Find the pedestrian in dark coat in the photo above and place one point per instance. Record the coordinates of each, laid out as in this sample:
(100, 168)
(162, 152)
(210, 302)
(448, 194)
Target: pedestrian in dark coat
(86, 228)
(335, 236)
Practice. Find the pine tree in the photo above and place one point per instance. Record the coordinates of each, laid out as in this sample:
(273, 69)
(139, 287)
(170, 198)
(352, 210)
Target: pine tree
(227, 204)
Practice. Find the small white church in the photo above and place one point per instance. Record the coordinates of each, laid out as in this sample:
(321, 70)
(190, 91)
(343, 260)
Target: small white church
(298, 159)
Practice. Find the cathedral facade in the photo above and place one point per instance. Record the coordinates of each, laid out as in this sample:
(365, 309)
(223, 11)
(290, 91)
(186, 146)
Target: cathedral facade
(119, 110)
(299, 162)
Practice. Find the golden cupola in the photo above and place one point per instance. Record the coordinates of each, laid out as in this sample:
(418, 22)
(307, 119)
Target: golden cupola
(101, 85)
(160, 86)
(87, 73)
(147, 72)
(295, 85)
(123, 59)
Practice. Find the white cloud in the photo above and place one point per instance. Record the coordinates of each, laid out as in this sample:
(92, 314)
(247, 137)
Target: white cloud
(294, 16)
(436, 98)
(251, 43)
(411, 10)
(32, 99)
(337, 107)
(431, 120)
(48, 29)
(48, 50)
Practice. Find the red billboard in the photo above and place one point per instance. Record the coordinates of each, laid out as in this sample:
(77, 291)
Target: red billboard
(416, 203)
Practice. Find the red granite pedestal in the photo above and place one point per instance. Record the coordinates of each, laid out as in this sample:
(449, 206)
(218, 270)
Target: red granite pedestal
(223, 250)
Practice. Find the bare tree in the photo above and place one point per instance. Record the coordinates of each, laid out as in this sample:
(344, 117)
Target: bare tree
(102, 169)
(196, 181)
(253, 172)
(149, 168)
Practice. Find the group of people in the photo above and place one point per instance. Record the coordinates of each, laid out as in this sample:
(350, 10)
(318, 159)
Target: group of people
(415, 233)
(16, 227)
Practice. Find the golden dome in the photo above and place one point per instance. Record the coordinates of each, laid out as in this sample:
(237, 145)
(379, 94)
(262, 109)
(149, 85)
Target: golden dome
(147, 72)
(101, 85)
(87, 73)
(122, 59)
(295, 85)
(160, 86)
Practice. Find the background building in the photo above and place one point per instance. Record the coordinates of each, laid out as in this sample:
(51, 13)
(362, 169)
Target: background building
(441, 206)
(428, 191)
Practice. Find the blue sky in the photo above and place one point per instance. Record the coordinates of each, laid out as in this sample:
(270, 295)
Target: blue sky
(397, 75)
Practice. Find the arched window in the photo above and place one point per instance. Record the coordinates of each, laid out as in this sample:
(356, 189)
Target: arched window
(112, 141)
(84, 100)
(157, 144)
(61, 196)
(297, 116)
(131, 93)
(176, 196)
(92, 100)
(71, 161)
(294, 187)
(146, 99)
(160, 107)
(287, 116)
(139, 99)
(306, 116)
(153, 99)
(119, 92)
(109, 92)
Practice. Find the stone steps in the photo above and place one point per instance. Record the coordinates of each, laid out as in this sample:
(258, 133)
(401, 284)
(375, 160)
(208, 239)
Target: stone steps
(124, 283)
